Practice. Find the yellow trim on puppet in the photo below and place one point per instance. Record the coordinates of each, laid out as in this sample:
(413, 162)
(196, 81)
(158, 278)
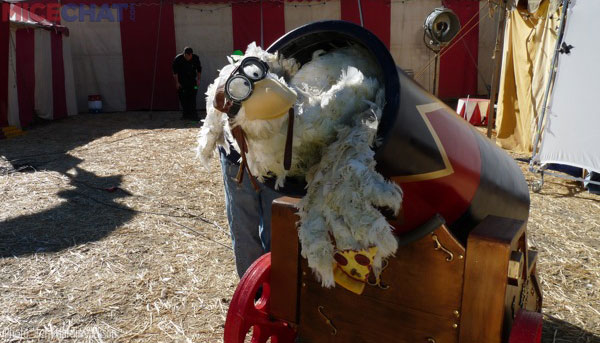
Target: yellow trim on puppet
(353, 268)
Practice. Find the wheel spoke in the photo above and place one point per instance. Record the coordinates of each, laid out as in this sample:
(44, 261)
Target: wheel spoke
(244, 313)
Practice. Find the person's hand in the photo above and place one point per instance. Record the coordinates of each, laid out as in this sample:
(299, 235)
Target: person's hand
(178, 85)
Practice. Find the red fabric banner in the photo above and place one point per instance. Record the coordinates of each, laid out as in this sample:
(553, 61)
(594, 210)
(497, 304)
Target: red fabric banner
(59, 96)
(4, 40)
(246, 23)
(377, 16)
(25, 58)
(140, 41)
(273, 21)
(458, 66)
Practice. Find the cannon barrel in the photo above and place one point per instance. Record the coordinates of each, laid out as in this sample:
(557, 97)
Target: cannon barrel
(442, 163)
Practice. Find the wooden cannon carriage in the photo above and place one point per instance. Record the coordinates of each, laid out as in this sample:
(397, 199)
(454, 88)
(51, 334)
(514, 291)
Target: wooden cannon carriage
(463, 271)
(436, 290)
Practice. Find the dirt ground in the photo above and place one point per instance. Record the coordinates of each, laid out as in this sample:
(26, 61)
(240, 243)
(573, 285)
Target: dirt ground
(111, 231)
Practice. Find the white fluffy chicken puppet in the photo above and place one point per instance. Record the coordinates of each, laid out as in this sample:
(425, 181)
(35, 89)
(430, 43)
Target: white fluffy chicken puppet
(316, 121)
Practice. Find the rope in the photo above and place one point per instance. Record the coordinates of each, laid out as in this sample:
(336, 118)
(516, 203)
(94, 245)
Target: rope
(288, 4)
(476, 67)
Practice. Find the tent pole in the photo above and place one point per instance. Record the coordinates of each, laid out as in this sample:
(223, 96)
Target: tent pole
(362, 23)
(262, 33)
(498, 49)
(553, 67)
(155, 58)
(435, 73)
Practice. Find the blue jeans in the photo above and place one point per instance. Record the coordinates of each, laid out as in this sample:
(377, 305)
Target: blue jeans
(249, 215)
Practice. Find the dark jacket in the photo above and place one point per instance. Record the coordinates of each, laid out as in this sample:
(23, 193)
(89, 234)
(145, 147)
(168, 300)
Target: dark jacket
(187, 71)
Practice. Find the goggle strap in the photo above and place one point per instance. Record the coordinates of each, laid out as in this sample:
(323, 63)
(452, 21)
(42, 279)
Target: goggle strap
(240, 137)
(234, 109)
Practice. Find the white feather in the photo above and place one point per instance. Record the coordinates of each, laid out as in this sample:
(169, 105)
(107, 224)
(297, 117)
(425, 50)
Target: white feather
(335, 125)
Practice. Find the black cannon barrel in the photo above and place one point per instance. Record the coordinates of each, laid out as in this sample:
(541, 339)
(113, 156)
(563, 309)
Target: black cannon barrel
(442, 163)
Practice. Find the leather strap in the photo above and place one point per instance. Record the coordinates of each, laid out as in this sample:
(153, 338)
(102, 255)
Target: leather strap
(240, 137)
(220, 103)
(287, 157)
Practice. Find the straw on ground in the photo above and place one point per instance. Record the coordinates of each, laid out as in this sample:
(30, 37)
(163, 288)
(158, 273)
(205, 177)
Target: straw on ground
(111, 232)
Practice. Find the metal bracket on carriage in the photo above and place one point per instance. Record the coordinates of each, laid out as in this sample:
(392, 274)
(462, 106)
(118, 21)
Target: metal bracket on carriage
(414, 235)
(438, 246)
(353, 269)
(328, 321)
(428, 228)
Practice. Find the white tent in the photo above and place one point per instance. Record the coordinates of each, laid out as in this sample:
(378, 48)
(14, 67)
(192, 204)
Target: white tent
(571, 134)
(40, 73)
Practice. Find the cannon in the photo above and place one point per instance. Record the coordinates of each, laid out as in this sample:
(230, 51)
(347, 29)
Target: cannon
(463, 271)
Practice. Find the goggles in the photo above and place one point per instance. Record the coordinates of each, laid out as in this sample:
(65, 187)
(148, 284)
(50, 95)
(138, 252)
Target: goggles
(240, 84)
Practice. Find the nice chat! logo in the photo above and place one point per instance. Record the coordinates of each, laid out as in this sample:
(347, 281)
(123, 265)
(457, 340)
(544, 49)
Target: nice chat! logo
(23, 10)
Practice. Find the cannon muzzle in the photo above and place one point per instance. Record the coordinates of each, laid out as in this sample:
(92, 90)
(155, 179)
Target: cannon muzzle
(442, 163)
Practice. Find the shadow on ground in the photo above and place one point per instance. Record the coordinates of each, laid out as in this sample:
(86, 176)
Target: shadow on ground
(87, 211)
(559, 331)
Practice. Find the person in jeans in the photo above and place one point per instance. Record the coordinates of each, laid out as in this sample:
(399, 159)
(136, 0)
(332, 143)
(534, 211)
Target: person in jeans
(248, 213)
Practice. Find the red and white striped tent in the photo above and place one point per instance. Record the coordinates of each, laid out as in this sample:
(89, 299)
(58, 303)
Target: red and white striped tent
(128, 62)
(39, 75)
(474, 110)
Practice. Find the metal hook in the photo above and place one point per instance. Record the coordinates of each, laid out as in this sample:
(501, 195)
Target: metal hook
(378, 283)
(327, 320)
(439, 246)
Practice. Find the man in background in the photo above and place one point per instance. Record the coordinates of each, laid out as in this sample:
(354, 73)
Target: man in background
(186, 72)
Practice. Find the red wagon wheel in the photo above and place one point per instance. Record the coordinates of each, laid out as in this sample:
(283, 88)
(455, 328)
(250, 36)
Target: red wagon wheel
(527, 328)
(245, 312)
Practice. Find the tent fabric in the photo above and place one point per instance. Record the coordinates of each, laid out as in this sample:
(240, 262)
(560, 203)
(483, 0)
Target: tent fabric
(37, 75)
(4, 67)
(13, 97)
(36, 69)
(458, 64)
(298, 15)
(98, 62)
(117, 59)
(406, 38)
(376, 16)
(260, 22)
(59, 102)
(147, 42)
(534, 5)
(21, 17)
(209, 30)
(70, 94)
(528, 47)
(44, 102)
(273, 18)
(572, 132)
(488, 28)
(25, 72)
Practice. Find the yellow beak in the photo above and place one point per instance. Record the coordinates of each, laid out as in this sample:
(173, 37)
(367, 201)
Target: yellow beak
(270, 99)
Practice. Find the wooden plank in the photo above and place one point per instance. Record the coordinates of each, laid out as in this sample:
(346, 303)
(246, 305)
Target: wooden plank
(424, 292)
(420, 277)
(485, 281)
(364, 319)
(285, 255)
